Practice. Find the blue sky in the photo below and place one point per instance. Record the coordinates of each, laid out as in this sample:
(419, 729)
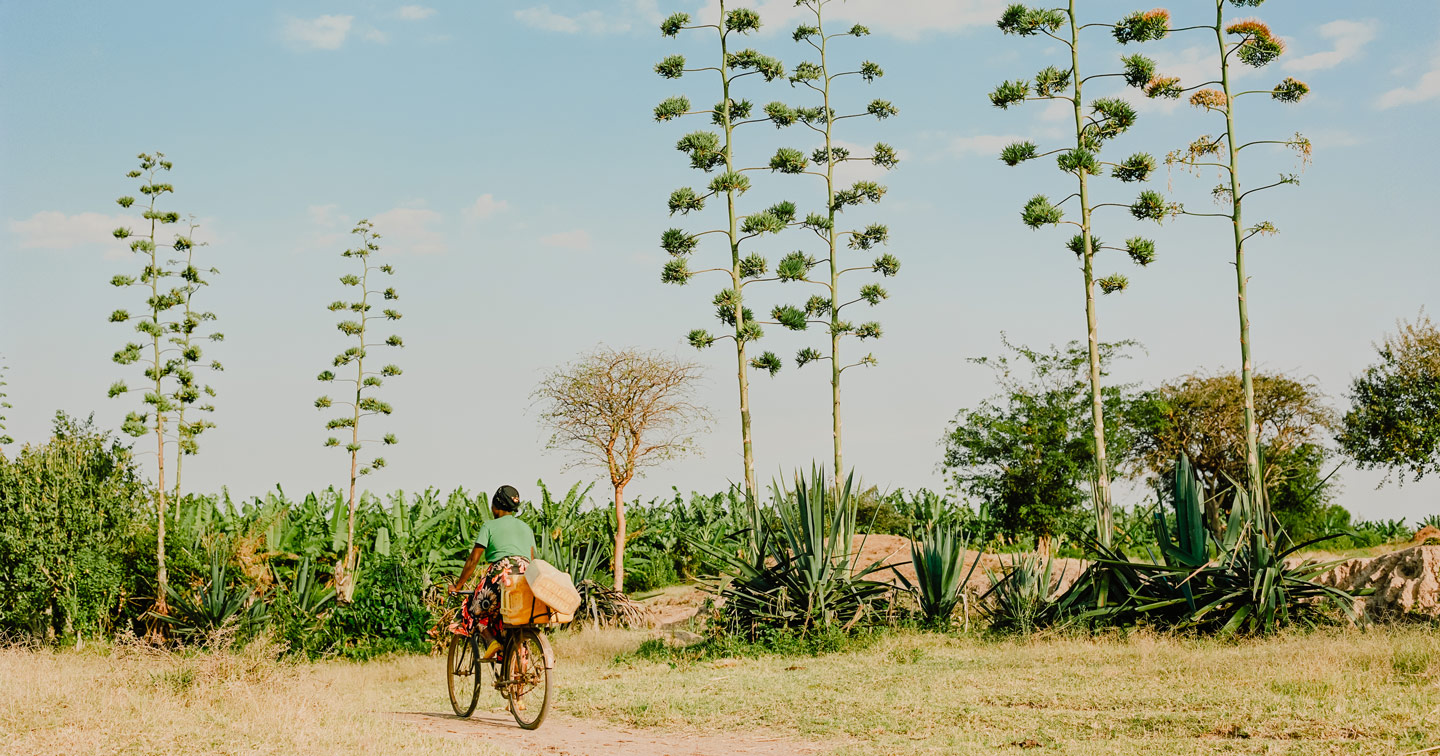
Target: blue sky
(507, 153)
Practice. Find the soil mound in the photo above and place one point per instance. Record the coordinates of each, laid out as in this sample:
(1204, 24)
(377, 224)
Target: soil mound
(1427, 534)
(1406, 582)
(894, 552)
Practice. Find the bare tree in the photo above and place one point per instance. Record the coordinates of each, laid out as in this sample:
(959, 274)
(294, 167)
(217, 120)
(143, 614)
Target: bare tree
(622, 411)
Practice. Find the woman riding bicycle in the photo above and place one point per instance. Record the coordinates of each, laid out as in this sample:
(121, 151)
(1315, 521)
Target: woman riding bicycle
(507, 545)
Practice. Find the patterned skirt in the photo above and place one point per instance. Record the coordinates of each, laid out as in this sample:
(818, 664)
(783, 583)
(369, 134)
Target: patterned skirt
(485, 606)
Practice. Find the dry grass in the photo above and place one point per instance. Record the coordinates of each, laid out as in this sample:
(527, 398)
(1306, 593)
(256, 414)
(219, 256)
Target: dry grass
(129, 699)
(1333, 692)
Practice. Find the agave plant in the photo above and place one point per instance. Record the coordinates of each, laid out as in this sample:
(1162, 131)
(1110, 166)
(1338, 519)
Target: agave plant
(1020, 598)
(214, 606)
(940, 574)
(799, 571)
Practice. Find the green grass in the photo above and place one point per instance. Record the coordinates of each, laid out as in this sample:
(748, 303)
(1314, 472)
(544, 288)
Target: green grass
(1344, 692)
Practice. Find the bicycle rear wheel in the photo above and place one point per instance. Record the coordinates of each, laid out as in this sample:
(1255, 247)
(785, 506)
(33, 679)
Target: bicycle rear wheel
(528, 684)
(463, 673)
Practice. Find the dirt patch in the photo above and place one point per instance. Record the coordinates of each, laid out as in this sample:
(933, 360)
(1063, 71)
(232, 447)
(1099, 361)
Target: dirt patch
(894, 551)
(567, 736)
(1426, 535)
(673, 605)
(1406, 582)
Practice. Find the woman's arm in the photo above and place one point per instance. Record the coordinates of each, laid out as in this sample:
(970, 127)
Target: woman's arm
(470, 563)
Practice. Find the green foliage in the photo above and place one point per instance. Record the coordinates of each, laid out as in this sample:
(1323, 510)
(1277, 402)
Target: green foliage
(1010, 93)
(1021, 599)
(213, 606)
(798, 571)
(1017, 153)
(72, 512)
(1025, 22)
(1394, 418)
(1040, 212)
(4, 405)
(1143, 26)
(1027, 453)
(1137, 167)
(940, 574)
(1139, 70)
(1290, 89)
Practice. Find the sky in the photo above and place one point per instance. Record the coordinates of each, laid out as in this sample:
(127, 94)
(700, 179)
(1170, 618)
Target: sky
(507, 153)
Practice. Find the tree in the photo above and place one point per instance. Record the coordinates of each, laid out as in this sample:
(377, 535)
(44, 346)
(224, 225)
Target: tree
(358, 405)
(623, 411)
(188, 333)
(1027, 452)
(1108, 118)
(1201, 416)
(163, 363)
(708, 151)
(1394, 417)
(826, 310)
(1252, 43)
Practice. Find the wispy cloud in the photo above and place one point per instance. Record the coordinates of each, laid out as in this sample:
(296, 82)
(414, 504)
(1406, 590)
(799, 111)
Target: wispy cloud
(907, 19)
(410, 228)
(485, 206)
(414, 12)
(319, 33)
(578, 240)
(589, 22)
(1427, 88)
(56, 231)
(987, 145)
(1349, 39)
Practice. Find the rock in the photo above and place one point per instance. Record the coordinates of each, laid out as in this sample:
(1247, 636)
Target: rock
(1406, 582)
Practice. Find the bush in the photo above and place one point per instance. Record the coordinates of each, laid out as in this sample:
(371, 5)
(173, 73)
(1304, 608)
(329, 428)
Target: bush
(388, 613)
(72, 519)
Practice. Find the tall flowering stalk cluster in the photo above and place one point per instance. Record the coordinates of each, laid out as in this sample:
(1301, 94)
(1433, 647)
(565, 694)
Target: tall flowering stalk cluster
(829, 309)
(169, 335)
(1253, 45)
(714, 152)
(1097, 121)
(358, 401)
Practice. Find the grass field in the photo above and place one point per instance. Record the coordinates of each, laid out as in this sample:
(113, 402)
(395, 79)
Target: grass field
(1330, 692)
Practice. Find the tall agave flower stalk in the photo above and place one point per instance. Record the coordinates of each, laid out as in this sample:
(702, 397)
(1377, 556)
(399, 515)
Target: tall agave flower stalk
(709, 151)
(1252, 44)
(1097, 121)
(827, 310)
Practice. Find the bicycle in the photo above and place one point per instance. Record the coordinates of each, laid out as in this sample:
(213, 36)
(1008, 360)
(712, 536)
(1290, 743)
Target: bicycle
(521, 669)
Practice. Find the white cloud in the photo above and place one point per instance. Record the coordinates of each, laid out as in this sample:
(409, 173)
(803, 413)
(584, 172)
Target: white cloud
(987, 145)
(319, 33)
(485, 206)
(906, 19)
(56, 231)
(409, 229)
(375, 35)
(590, 22)
(414, 12)
(577, 240)
(1349, 39)
(1427, 88)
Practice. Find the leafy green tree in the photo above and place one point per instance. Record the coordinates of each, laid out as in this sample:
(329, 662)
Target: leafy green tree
(1394, 417)
(1252, 43)
(827, 310)
(358, 405)
(1027, 452)
(709, 151)
(187, 335)
(154, 349)
(1201, 416)
(1097, 121)
(70, 510)
(622, 411)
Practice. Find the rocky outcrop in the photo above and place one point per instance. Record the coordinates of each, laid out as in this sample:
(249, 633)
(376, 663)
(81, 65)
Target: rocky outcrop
(1406, 583)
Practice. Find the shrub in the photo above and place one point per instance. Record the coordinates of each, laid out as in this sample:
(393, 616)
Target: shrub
(71, 515)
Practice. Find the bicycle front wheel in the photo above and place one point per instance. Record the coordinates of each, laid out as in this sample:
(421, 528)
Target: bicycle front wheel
(463, 674)
(528, 685)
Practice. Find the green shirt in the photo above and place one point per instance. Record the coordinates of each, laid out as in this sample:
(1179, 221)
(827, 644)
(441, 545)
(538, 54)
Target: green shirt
(505, 536)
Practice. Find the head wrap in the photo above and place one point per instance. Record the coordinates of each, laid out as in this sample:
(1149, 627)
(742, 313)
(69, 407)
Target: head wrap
(506, 499)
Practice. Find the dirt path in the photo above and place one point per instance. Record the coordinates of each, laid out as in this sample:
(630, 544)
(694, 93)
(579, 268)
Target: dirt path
(561, 735)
